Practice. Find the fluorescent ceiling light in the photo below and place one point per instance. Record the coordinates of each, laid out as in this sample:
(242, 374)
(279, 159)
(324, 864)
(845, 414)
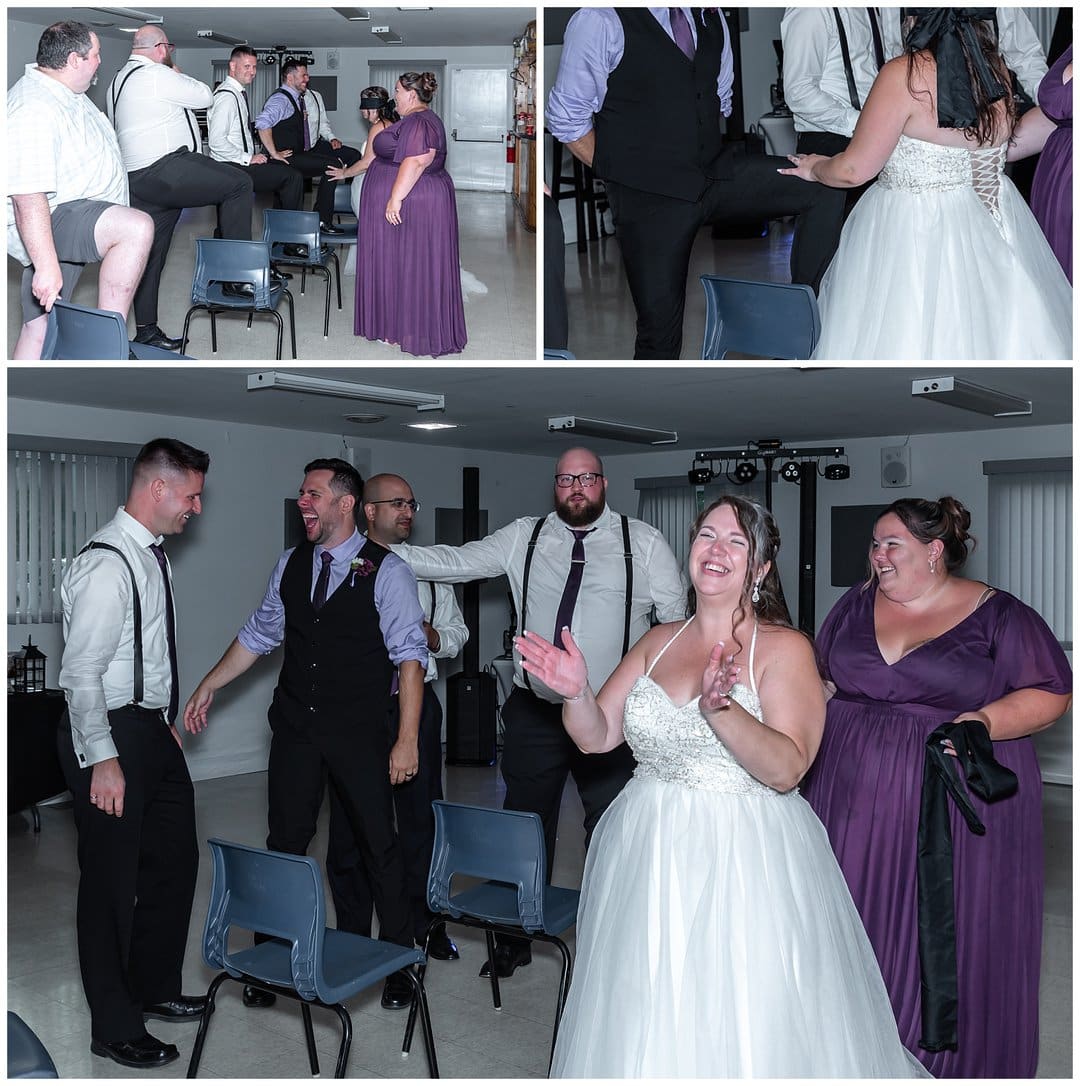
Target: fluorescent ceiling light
(224, 39)
(971, 397)
(431, 425)
(354, 15)
(617, 431)
(132, 13)
(346, 390)
(388, 35)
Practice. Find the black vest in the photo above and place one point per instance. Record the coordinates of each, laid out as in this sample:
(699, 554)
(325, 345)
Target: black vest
(677, 154)
(289, 131)
(337, 671)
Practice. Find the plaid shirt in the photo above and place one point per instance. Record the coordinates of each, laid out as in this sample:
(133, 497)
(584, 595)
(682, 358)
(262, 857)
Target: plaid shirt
(66, 149)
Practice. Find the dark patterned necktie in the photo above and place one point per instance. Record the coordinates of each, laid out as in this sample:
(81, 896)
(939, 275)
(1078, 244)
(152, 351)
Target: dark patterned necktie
(681, 32)
(303, 121)
(573, 584)
(170, 634)
(322, 585)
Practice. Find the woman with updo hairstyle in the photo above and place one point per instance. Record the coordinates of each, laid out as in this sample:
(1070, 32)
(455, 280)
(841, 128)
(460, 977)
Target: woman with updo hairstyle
(916, 647)
(715, 935)
(408, 273)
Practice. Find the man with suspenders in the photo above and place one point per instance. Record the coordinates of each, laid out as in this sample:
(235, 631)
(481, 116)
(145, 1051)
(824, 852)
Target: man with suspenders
(389, 508)
(231, 137)
(133, 802)
(601, 574)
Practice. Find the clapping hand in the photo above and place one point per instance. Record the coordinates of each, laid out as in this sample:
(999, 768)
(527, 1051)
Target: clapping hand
(719, 677)
(562, 670)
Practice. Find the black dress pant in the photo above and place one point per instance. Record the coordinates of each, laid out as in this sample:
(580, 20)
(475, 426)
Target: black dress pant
(350, 885)
(136, 873)
(656, 235)
(556, 322)
(831, 143)
(354, 757)
(283, 181)
(163, 189)
(313, 164)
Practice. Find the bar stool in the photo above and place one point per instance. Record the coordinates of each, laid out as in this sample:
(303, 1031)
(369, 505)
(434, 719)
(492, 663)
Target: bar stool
(583, 191)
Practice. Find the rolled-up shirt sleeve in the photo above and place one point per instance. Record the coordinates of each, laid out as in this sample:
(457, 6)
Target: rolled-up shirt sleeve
(592, 47)
(725, 82)
(265, 629)
(275, 109)
(400, 615)
(98, 600)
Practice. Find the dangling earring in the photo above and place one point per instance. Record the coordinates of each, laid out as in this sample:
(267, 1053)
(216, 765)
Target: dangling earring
(755, 596)
(933, 565)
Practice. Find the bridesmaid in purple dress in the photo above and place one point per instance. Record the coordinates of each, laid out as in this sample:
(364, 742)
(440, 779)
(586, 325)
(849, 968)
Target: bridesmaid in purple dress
(408, 275)
(915, 647)
(1051, 191)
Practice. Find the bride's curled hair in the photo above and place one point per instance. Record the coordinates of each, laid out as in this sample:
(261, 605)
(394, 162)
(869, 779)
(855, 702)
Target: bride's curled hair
(370, 95)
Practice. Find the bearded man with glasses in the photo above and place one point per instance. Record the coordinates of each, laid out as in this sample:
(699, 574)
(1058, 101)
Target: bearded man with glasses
(601, 574)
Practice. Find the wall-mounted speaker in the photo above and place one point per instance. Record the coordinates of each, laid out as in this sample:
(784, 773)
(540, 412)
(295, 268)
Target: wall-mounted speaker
(896, 466)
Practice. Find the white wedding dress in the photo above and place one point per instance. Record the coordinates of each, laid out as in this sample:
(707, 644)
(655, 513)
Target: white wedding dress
(942, 259)
(716, 936)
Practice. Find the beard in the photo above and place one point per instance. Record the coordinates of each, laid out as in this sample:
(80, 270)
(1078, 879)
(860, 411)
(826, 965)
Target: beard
(578, 514)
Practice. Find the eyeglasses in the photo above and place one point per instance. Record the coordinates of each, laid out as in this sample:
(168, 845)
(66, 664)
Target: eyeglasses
(399, 503)
(168, 45)
(586, 478)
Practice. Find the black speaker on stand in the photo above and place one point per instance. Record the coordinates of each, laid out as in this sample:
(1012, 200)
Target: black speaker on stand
(471, 694)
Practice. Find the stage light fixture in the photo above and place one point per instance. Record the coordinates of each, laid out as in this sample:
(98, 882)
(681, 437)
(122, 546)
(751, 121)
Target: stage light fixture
(791, 472)
(699, 476)
(745, 472)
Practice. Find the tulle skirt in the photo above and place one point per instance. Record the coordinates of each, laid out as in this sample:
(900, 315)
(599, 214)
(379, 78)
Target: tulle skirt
(717, 938)
(930, 275)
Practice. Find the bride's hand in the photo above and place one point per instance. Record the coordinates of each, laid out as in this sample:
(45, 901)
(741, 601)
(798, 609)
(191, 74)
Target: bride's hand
(720, 676)
(562, 670)
(804, 166)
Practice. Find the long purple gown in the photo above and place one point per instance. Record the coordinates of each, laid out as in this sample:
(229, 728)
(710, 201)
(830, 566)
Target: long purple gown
(1051, 190)
(408, 277)
(865, 786)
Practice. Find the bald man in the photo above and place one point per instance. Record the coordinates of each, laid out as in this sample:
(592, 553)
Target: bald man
(151, 103)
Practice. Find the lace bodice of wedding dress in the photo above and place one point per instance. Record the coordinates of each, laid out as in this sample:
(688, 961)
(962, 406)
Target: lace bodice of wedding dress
(918, 166)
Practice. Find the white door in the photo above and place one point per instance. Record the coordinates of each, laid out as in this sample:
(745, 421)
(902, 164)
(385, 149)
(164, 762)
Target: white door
(476, 126)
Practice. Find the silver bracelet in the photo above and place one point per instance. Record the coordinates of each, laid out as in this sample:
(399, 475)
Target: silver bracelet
(578, 697)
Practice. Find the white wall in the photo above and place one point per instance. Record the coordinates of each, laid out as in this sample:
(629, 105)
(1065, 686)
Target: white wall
(222, 561)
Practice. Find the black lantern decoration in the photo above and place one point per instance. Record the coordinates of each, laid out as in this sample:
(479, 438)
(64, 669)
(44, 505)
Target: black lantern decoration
(30, 670)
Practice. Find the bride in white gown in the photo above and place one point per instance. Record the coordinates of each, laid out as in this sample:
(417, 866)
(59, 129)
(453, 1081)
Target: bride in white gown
(941, 258)
(716, 936)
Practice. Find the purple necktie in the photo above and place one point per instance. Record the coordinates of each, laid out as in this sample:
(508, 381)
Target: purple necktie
(322, 585)
(170, 634)
(303, 121)
(681, 32)
(573, 584)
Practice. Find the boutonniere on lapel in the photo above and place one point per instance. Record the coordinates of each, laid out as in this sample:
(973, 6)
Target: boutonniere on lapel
(360, 567)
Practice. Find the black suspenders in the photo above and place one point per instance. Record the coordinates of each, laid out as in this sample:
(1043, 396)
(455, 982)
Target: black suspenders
(136, 616)
(853, 93)
(628, 558)
(239, 113)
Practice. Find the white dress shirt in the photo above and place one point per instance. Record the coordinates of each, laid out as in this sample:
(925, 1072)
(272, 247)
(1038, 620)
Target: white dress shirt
(97, 667)
(229, 135)
(153, 113)
(318, 122)
(61, 145)
(444, 615)
(599, 614)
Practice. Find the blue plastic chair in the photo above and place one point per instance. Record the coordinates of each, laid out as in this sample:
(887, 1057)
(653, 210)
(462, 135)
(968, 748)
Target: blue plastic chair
(225, 260)
(26, 1055)
(506, 848)
(282, 896)
(281, 228)
(77, 332)
(556, 354)
(765, 320)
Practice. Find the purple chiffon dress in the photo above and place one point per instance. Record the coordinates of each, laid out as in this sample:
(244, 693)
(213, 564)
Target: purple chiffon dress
(408, 277)
(1051, 190)
(865, 786)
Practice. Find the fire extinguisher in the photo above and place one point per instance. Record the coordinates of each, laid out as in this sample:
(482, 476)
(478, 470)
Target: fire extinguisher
(510, 147)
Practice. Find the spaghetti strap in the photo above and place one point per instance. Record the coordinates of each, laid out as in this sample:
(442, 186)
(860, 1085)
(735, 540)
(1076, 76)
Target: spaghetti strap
(750, 660)
(656, 658)
(986, 594)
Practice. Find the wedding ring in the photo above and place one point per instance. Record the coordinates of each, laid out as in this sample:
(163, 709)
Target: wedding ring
(93, 798)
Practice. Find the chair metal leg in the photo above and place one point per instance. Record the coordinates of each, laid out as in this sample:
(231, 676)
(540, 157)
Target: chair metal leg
(36, 817)
(204, 1024)
(309, 1033)
(326, 313)
(280, 332)
(420, 1001)
(292, 321)
(251, 317)
(496, 998)
(337, 273)
(187, 325)
(346, 1039)
(213, 331)
(303, 280)
(421, 972)
(564, 991)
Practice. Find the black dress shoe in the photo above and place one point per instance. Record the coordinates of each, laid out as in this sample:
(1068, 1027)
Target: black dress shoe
(331, 228)
(278, 279)
(298, 251)
(143, 1052)
(508, 957)
(440, 946)
(152, 336)
(256, 997)
(397, 992)
(181, 1009)
(244, 291)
